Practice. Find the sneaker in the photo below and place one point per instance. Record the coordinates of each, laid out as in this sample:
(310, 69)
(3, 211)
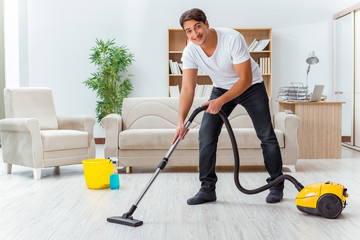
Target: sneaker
(274, 196)
(202, 196)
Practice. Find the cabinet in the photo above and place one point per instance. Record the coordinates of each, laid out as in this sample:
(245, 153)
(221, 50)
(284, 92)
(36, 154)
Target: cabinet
(319, 134)
(177, 42)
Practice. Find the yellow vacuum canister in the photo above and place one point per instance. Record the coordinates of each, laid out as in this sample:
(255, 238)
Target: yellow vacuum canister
(327, 199)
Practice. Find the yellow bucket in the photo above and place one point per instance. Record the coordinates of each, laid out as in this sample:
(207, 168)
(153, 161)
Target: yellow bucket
(97, 173)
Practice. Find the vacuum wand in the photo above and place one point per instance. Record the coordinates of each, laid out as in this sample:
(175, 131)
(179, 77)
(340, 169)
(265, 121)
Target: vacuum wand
(127, 219)
(162, 164)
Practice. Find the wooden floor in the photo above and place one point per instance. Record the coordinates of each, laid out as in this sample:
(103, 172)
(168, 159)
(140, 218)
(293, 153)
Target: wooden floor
(59, 206)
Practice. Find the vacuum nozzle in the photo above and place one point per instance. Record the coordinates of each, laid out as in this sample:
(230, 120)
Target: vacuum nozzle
(129, 221)
(126, 218)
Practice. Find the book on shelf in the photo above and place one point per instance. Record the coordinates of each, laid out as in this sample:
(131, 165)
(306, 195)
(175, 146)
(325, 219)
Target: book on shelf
(264, 65)
(199, 90)
(261, 45)
(252, 44)
(174, 91)
(172, 71)
(175, 67)
(203, 90)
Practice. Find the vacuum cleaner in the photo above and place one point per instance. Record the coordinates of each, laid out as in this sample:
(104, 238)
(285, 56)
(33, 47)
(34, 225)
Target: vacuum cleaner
(326, 199)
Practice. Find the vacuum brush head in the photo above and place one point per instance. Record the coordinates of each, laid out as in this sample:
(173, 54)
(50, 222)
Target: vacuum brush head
(125, 221)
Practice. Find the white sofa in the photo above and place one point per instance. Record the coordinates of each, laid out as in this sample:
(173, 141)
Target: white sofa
(144, 133)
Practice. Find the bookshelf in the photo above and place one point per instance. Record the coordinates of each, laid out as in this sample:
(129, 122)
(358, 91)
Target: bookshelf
(177, 43)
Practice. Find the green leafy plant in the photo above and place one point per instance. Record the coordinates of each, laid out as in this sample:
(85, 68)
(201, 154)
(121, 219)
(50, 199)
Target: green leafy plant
(110, 86)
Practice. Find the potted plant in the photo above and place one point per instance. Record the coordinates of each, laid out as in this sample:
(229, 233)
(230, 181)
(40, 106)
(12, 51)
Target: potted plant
(110, 86)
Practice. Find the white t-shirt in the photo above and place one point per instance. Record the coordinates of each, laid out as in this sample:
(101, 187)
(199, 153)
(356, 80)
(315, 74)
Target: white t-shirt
(231, 49)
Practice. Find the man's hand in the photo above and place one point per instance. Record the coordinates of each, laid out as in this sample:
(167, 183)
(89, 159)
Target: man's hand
(179, 131)
(215, 106)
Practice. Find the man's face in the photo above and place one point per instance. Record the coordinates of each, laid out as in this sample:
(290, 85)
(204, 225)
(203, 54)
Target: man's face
(196, 32)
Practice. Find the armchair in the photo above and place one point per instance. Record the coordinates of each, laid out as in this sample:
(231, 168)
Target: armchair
(33, 136)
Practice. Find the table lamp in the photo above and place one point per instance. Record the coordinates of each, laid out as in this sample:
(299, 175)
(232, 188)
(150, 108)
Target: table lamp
(311, 60)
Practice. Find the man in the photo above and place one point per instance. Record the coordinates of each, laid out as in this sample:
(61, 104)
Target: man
(224, 55)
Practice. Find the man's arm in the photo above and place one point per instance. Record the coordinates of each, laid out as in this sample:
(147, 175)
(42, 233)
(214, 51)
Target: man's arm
(186, 99)
(244, 72)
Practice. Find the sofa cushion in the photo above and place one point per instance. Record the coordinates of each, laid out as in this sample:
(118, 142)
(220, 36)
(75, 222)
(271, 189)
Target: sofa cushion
(246, 138)
(162, 139)
(53, 140)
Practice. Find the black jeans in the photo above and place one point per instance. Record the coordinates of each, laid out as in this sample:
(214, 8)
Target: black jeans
(256, 102)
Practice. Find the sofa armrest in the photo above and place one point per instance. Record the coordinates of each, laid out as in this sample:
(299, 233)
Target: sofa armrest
(113, 126)
(19, 125)
(21, 141)
(289, 123)
(286, 122)
(80, 123)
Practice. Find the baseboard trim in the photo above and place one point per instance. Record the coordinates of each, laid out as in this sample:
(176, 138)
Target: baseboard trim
(99, 140)
(351, 146)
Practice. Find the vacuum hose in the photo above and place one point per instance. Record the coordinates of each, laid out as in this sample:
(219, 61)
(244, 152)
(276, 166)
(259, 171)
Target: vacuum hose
(127, 219)
(278, 180)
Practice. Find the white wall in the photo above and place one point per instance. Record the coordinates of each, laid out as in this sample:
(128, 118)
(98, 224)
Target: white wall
(291, 47)
(11, 43)
(24, 77)
(60, 35)
(2, 62)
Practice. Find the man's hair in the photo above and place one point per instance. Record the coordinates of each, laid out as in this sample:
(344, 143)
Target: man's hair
(192, 14)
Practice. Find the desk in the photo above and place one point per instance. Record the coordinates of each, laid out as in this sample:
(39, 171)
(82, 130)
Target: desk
(319, 134)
